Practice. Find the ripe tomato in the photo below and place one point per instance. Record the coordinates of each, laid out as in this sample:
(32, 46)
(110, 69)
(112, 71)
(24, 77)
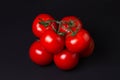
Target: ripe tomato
(39, 55)
(52, 42)
(66, 60)
(78, 42)
(42, 23)
(69, 23)
(87, 52)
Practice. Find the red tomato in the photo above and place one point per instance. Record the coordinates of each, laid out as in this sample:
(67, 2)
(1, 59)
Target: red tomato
(70, 23)
(77, 43)
(66, 60)
(39, 55)
(52, 42)
(87, 52)
(42, 23)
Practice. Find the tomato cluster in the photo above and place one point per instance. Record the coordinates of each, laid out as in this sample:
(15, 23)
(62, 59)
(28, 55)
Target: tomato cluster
(63, 42)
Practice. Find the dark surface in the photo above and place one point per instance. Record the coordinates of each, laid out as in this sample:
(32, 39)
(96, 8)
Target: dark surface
(100, 18)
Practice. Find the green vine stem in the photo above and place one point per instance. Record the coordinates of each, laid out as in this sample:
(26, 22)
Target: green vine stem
(45, 23)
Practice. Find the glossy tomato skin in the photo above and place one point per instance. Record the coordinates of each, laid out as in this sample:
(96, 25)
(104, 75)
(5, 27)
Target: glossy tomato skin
(87, 52)
(78, 42)
(38, 29)
(39, 55)
(70, 22)
(52, 42)
(66, 60)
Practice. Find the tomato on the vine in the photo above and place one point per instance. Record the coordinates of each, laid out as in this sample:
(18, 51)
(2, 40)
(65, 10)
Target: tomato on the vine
(39, 55)
(66, 60)
(70, 23)
(78, 41)
(42, 23)
(87, 52)
(52, 42)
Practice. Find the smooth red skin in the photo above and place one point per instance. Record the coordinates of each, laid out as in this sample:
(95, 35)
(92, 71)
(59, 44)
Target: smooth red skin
(38, 29)
(52, 42)
(39, 55)
(65, 29)
(78, 42)
(67, 19)
(87, 52)
(66, 60)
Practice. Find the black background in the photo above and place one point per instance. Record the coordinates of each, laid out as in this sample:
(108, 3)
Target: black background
(100, 18)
